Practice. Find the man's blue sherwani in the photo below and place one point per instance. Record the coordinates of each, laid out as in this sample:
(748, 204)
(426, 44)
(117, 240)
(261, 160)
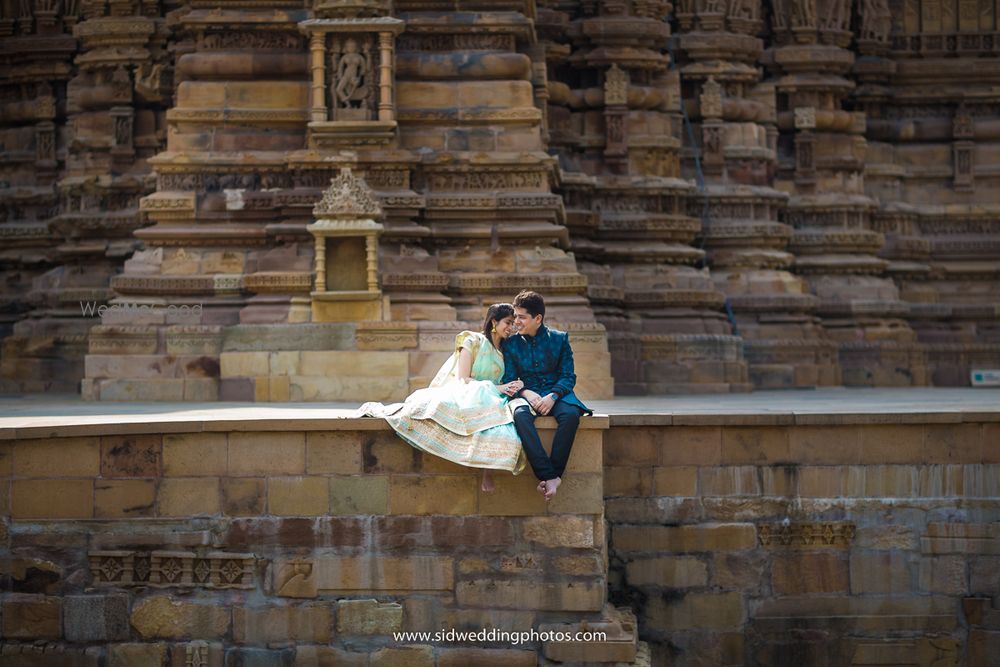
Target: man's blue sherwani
(544, 362)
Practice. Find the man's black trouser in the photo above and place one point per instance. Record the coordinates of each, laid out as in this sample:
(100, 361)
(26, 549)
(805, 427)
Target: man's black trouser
(567, 417)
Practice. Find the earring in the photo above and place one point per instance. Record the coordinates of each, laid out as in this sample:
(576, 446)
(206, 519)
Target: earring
(494, 328)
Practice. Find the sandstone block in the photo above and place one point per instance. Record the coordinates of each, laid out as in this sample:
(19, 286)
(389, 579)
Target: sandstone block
(368, 494)
(480, 657)
(311, 623)
(259, 657)
(667, 572)
(137, 655)
(560, 531)
(944, 574)
(627, 481)
(587, 454)
(403, 656)
(56, 457)
(825, 445)
(809, 572)
(118, 498)
(675, 481)
(432, 494)
(325, 656)
(631, 446)
(351, 574)
(208, 654)
(880, 572)
(91, 618)
(266, 453)
(686, 539)
(243, 364)
(691, 445)
(52, 499)
(891, 443)
(743, 445)
(162, 617)
(543, 596)
(298, 496)
(728, 481)
(32, 617)
(698, 611)
(194, 454)
(368, 617)
(579, 494)
(185, 497)
(131, 455)
(385, 452)
(337, 452)
(513, 496)
(243, 496)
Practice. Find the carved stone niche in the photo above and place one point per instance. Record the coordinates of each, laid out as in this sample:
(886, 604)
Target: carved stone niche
(353, 73)
(346, 265)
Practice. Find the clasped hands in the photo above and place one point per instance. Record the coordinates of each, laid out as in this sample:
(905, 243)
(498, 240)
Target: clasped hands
(541, 404)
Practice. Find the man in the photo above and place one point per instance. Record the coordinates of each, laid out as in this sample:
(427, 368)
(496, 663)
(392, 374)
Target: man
(542, 358)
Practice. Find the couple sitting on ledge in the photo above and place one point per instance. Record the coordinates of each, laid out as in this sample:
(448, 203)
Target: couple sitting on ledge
(479, 410)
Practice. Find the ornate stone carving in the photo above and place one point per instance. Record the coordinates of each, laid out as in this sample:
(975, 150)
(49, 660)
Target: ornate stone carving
(806, 535)
(172, 569)
(348, 197)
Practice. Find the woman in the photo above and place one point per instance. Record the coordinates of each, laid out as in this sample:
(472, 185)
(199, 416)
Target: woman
(463, 416)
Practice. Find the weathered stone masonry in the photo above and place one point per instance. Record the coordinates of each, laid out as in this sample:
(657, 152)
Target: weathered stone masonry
(713, 196)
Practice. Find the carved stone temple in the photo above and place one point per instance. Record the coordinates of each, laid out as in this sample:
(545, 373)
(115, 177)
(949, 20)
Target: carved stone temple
(227, 199)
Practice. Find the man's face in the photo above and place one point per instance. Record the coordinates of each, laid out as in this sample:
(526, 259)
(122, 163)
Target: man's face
(525, 323)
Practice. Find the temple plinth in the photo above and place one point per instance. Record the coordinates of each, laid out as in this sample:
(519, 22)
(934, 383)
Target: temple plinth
(712, 196)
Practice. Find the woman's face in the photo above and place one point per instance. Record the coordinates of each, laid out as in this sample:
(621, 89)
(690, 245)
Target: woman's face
(505, 327)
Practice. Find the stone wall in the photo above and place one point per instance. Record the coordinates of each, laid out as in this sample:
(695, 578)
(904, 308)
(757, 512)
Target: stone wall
(820, 541)
(209, 545)
(770, 541)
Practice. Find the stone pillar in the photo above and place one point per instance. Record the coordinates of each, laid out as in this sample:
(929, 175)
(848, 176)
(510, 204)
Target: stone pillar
(63, 234)
(618, 133)
(935, 134)
(466, 93)
(822, 152)
(219, 241)
(733, 114)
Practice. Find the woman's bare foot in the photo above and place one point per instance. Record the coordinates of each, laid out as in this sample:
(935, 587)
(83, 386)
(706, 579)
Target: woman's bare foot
(550, 488)
(541, 487)
(487, 484)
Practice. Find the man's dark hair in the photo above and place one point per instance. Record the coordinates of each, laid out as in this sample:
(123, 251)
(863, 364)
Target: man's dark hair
(531, 302)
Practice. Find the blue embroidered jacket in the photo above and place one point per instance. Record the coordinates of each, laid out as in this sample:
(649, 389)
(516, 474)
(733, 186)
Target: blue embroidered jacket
(544, 362)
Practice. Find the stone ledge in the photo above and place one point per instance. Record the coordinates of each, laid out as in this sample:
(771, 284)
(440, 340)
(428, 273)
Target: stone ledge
(200, 425)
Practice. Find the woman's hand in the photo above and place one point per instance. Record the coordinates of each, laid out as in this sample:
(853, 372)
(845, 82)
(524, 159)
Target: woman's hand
(512, 387)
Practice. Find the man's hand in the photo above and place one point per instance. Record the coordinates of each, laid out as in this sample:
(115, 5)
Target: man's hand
(541, 404)
(544, 405)
(532, 398)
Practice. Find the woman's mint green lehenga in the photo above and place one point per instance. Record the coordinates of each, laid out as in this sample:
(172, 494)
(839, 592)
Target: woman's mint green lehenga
(469, 424)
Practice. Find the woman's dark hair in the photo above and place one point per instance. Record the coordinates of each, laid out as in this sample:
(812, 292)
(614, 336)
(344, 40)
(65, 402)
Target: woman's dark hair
(497, 312)
(531, 302)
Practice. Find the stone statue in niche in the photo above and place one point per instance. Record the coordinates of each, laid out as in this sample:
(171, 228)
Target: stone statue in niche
(353, 68)
(838, 15)
(779, 14)
(804, 13)
(744, 9)
(121, 84)
(712, 6)
(876, 20)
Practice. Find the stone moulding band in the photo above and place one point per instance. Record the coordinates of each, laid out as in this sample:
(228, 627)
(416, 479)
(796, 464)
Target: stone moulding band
(172, 569)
